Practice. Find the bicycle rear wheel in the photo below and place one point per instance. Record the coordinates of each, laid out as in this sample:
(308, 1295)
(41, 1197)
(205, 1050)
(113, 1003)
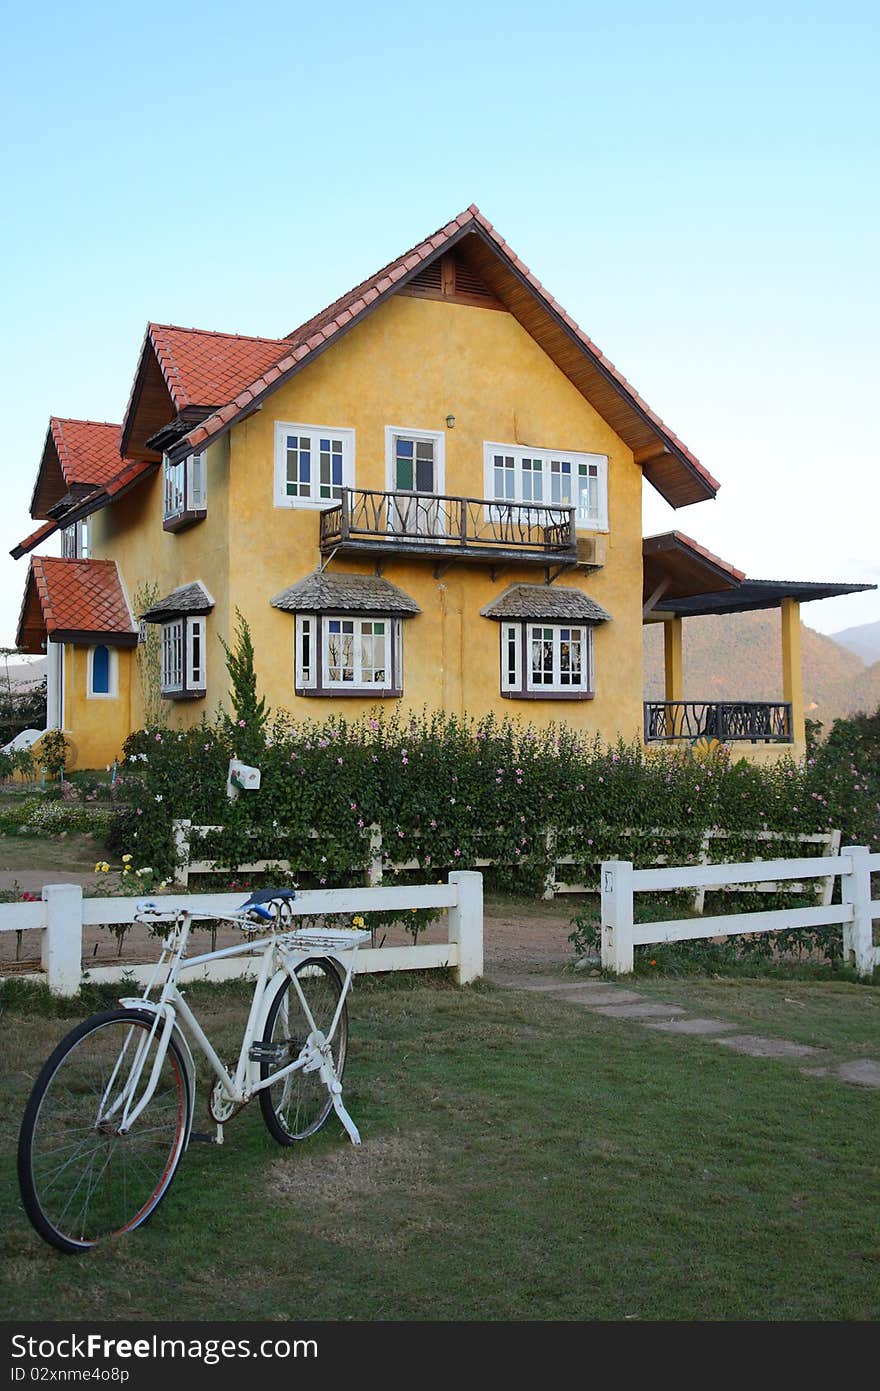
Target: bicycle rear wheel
(299, 1104)
(81, 1180)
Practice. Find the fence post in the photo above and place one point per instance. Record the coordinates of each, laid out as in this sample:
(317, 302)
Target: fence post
(61, 948)
(466, 923)
(181, 852)
(374, 870)
(826, 886)
(550, 876)
(617, 916)
(700, 894)
(855, 889)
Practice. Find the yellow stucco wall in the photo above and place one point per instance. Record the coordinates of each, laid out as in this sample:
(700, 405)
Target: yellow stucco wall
(96, 725)
(410, 364)
(492, 377)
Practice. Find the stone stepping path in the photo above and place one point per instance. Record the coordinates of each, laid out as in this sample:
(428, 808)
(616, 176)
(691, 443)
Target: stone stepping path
(617, 1002)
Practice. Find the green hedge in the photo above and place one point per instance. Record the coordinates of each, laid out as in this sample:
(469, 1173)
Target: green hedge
(448, 791)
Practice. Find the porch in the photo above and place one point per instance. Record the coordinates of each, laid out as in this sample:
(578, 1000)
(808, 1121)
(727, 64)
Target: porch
(682, 580)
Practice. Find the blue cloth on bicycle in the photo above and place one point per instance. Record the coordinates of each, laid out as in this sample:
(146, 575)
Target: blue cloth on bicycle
(268, 896)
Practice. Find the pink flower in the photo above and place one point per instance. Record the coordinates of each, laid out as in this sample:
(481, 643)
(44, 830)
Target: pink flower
(158, 738)
(457, 853)
(241, 724)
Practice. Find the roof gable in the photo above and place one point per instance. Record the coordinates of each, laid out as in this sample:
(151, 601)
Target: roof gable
(187, 373)
(74, 601)
(666, 461)
(76, 455)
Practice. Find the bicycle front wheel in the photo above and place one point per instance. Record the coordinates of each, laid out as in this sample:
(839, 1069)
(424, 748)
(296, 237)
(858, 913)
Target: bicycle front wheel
(81, 1179)
(299, 1104)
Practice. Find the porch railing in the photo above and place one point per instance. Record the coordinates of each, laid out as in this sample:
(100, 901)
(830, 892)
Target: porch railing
(418, 519)
(755, 721)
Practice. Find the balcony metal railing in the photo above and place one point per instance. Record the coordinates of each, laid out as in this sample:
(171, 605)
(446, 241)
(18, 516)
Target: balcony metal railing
(368, 519)
(756, 721)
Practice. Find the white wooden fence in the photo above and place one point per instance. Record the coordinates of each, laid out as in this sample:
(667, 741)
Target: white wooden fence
(63, 912)
(856, 912)
(554, 883)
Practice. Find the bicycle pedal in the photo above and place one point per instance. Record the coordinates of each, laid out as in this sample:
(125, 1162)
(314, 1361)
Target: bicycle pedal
(204, 1137)
(267, 1052)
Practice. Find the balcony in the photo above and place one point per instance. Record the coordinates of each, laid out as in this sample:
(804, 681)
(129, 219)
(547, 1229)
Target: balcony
(735, 721)
(450, 529)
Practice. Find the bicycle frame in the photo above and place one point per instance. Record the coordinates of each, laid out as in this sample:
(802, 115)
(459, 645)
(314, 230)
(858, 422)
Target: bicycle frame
(280, 956)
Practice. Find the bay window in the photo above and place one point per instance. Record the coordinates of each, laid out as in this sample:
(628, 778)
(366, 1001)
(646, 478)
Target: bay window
(348, 654)
(183, 658)
(185, 491)
(554, 660)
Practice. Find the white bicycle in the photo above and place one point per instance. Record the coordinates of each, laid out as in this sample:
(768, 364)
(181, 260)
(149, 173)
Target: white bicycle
(111, 1112)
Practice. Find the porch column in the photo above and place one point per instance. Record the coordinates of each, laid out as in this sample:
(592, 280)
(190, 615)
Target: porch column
(672, 658)
(792, 670)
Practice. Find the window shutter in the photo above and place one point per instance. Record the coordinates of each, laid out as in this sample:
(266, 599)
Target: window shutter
(511, 656)
(195, 654)
(305, 673)
(198, 491)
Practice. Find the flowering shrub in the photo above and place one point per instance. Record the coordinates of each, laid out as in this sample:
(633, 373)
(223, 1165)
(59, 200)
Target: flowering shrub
(448, 792)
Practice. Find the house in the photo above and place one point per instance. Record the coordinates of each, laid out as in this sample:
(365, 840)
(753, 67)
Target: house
(428, 495)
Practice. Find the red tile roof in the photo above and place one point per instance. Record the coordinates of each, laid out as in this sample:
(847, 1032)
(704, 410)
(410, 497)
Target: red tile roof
(208, 369)
(88, 450)
(125, 478)
(80, 596)
(47, 529)
(313, 335)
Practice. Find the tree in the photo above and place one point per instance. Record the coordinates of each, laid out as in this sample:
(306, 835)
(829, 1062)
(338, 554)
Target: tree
(250, 712)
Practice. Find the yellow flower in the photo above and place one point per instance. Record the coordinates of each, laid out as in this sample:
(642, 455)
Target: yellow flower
(357, 921)
(126, 859)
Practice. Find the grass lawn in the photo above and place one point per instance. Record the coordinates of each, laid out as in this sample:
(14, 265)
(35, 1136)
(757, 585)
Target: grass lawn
(523, 1159)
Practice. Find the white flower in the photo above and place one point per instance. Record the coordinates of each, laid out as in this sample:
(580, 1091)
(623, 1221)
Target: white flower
(158, 796)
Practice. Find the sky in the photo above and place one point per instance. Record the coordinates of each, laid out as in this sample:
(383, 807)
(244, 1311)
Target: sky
(696, 184)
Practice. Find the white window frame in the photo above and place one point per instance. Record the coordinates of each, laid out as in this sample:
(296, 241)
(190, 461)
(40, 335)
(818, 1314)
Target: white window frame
(184, 486)
(435, 437)
(356, 684)
(283, 428)
(112, 674)
(75, 540)
(186, 677)
(312, 658)
(548, 457)
(516, 661)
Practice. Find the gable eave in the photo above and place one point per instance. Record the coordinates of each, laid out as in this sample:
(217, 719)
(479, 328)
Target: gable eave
(665, 460)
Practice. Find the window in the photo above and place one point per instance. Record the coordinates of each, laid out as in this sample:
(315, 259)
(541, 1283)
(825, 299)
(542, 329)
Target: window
(75, 541)
(102, 673)
(313, 464)
(551, 478)
(415, 466)
(546, 659)
(183, 658)
(347, 655)
(185, 496)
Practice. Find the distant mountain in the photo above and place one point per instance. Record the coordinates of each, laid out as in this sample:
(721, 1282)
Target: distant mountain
(739, 657)
(23, 673)
(864, 641)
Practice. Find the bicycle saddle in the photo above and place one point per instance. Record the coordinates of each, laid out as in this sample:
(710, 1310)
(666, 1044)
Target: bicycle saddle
(268, 896)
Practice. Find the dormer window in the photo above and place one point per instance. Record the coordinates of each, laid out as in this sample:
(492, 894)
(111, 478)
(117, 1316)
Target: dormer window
(185, 495)
(75, 541)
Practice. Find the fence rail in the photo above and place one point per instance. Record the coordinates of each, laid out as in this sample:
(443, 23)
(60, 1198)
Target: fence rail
(377, 864)
(63, 912)
(856, 912)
